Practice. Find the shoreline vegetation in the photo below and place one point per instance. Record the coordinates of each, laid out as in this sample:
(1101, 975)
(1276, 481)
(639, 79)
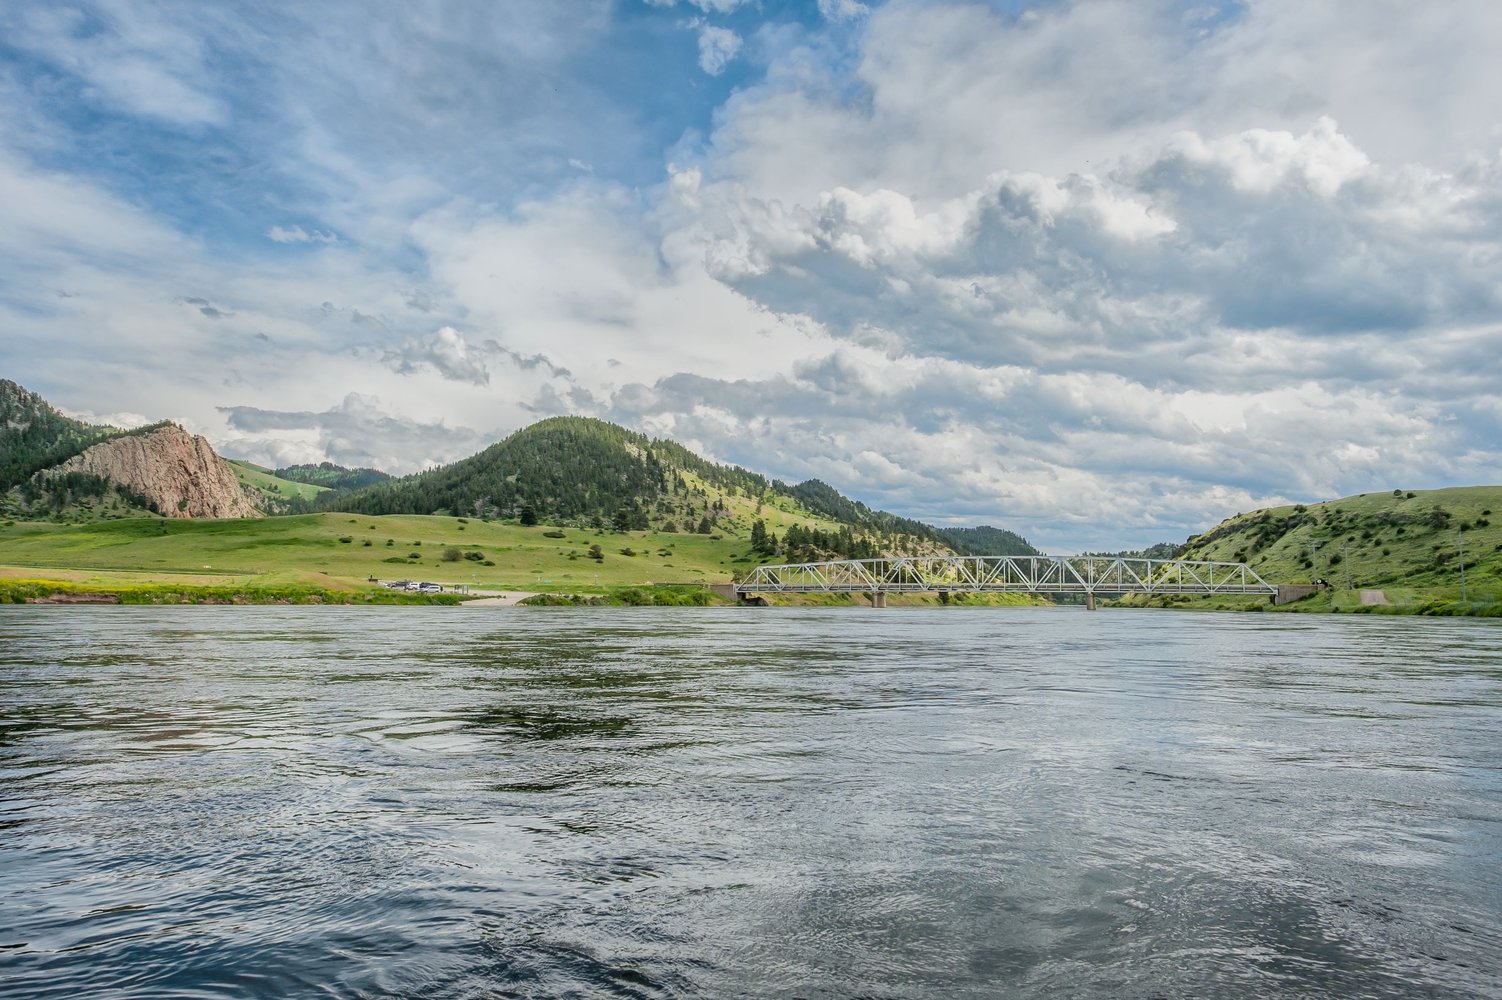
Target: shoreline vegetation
(30, 586)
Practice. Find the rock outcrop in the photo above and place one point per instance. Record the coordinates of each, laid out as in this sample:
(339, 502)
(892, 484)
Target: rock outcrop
(178, 472)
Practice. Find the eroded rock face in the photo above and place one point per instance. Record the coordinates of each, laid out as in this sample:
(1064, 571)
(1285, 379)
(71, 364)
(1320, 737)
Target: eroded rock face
(178, 471)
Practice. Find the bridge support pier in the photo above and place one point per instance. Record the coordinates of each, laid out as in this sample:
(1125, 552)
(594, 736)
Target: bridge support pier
(1090, 601)
(878, 598)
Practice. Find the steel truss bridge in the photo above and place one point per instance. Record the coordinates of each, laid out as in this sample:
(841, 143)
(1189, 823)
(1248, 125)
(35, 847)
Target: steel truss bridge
(1084, 575)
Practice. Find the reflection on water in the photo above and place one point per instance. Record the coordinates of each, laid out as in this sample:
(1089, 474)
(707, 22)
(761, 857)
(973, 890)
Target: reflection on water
(681, 802)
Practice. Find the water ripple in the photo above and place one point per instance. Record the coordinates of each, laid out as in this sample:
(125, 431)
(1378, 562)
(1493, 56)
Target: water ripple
(352, 802)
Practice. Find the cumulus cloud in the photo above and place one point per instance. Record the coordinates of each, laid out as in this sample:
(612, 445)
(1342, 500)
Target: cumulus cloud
(1155, 269)
(717, 46)
(446, 352)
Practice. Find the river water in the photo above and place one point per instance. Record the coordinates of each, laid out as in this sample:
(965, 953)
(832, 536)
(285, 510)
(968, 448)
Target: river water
(747, 803)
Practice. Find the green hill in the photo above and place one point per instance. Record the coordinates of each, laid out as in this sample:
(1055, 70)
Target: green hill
(581, 472)
(278, 495)
(1407, 544)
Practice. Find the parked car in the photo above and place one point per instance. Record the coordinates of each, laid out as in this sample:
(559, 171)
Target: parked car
(430, 588)
(398, 584)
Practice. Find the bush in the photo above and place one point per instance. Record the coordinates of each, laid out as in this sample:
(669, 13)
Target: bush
(366, 543)
(414, 555)
(474, 556)
(345, 539)
(451, 554)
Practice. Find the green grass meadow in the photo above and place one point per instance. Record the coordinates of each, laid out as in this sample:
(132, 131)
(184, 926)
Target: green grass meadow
(352, 548)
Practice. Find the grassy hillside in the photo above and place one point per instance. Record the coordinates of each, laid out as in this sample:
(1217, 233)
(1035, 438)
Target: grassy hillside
(1406, 544)
(272, 486)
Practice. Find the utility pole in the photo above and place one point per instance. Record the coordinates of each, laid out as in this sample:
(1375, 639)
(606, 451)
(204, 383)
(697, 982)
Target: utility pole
(1460, 544)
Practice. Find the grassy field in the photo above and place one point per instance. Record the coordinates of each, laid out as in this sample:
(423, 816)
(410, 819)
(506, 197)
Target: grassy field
(352, 548)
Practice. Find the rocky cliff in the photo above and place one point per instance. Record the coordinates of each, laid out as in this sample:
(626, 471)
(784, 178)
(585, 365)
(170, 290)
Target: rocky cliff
(179, 472)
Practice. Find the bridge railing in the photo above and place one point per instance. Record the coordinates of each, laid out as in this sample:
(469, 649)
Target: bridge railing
(1032, 574)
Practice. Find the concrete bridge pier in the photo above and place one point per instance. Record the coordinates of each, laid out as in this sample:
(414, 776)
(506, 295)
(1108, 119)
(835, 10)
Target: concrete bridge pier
(878, 598)
(1090, 601)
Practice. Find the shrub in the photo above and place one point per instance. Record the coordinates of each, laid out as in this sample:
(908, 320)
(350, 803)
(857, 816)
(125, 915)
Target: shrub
(345, 539)
(488, 562)
(474, 556)
(390, 542)
(414, 555)
(451, 554)
(555, 533)
(628, 551)
(366, 543)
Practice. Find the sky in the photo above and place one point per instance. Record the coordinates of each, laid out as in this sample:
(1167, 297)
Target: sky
(1100, 272)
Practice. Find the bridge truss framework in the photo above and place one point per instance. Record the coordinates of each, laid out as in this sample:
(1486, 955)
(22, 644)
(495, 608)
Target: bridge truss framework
(1086, 575)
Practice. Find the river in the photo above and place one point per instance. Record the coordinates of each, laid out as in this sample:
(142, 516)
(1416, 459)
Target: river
(452, 802)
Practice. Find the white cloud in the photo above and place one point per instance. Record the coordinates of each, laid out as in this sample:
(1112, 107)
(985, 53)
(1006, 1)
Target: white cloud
(296, 234)
(132, 59)
(717, 46)
(707, 6)
(446, 352)
(842, 10)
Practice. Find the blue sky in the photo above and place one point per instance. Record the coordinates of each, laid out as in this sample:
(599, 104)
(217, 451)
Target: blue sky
(1100, 272)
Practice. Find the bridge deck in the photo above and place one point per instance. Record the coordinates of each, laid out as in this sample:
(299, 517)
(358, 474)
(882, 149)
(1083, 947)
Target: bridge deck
(1029, 574)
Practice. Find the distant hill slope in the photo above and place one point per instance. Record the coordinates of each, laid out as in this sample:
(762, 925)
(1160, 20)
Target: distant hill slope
(329, 476)
(35, 436)
(275, 495)
(587, 472)
(1406, 539)
(985, 540)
